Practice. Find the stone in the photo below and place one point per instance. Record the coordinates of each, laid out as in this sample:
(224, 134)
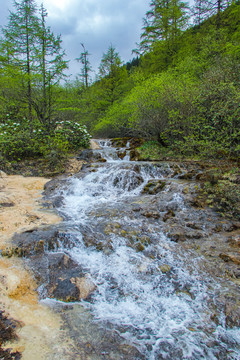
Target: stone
(153, 187)
(165, 268)
(134, 155)
(228, 257)
(151, 214)
(66, 291)
(85, 286)
(3, 175)
(168, 215)
(234, 241)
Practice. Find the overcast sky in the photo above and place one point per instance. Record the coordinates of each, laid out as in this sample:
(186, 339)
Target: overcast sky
(96, 23)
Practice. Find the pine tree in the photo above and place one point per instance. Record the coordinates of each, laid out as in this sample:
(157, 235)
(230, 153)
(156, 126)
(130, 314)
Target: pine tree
(86, 69)
(165, 20)
(204, 9)
(20, 38)
(112, 75)
(50, 68)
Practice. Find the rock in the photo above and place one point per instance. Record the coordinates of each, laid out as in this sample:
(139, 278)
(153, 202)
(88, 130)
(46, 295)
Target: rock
(151, 214)
(54, 184)
(89, 155)
(85, 285)
(65, 290)
(73, 166)
(235, 258)
(234, 241)
(188, 175)
(7, 204)
(134, 155)
(94, 145)
(140, 246)
(121, 154)
(165, 268)
(38, 241)
(168, 215)
(154, 187)
(232, 313)
(3, 175)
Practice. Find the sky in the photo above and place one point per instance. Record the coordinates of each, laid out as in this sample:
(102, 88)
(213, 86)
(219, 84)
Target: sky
(95, 23)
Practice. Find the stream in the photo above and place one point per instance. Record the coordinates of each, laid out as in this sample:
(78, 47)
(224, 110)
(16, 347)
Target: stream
(124, 222)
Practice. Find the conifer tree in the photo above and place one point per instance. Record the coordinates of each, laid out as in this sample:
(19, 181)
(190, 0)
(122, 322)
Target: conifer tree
(20, 39)
(164, 21)
(51, 65)
(112, 74)
(86, 69)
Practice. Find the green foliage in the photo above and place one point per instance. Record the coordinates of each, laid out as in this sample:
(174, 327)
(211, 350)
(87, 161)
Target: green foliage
(75, 134)
(150, 150)
(18, 142)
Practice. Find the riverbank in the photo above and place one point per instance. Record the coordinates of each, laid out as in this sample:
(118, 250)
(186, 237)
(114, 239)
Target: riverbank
(35, 327)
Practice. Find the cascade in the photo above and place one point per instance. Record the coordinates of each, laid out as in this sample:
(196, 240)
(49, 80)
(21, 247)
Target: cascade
(151, 292)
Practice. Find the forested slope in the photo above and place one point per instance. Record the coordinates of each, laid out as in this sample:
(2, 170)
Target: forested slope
(181, 89)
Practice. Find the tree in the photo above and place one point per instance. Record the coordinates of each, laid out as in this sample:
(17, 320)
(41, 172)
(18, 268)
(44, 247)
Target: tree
(20, 37)
(30, 48)
(165, 20)
(83, 59)
(204, 9)
(110, 62)
(112, 75)
(50, 68)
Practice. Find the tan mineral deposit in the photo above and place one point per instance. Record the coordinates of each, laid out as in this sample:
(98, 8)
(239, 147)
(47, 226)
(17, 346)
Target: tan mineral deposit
(39, 332)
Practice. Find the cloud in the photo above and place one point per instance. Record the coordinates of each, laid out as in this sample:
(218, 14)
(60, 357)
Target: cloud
(95, 23)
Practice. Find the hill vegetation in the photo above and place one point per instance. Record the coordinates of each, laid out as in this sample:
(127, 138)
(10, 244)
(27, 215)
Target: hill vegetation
(181, 92)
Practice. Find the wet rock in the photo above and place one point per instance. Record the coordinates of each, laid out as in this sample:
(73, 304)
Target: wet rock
(178, 233)
(102, 160)
(134, 155)
(194, 226)
(188, 175)
(168, 215)
(165, 268)
(38, 241)
(86, 155)
(62, 277)
(140, 246)
(151, 214)
(85, 286)
(54, 184)
(234, 241)
(65, 290)
(197, 202)
(121, 154)
(112, 228)
(120, 142)
(232, 311)
(153, 187)
(89, 155)
(228, 257)
(128, 180)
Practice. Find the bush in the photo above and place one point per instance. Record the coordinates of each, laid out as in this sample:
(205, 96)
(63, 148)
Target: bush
(74, 133)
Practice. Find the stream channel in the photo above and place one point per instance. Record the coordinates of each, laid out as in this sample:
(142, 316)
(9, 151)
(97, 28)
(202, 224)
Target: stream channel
(124, 224)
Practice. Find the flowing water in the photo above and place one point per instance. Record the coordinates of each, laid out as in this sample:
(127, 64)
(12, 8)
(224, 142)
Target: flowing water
(148, 290)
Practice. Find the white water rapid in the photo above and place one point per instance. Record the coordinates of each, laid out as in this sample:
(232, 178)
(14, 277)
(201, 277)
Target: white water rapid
(147, 289)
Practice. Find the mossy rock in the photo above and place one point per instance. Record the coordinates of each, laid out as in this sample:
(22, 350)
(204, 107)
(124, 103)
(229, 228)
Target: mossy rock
(154, 187)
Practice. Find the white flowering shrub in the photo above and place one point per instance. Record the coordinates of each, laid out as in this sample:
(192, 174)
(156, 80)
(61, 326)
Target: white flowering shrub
(75, 133)
(18, 141)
